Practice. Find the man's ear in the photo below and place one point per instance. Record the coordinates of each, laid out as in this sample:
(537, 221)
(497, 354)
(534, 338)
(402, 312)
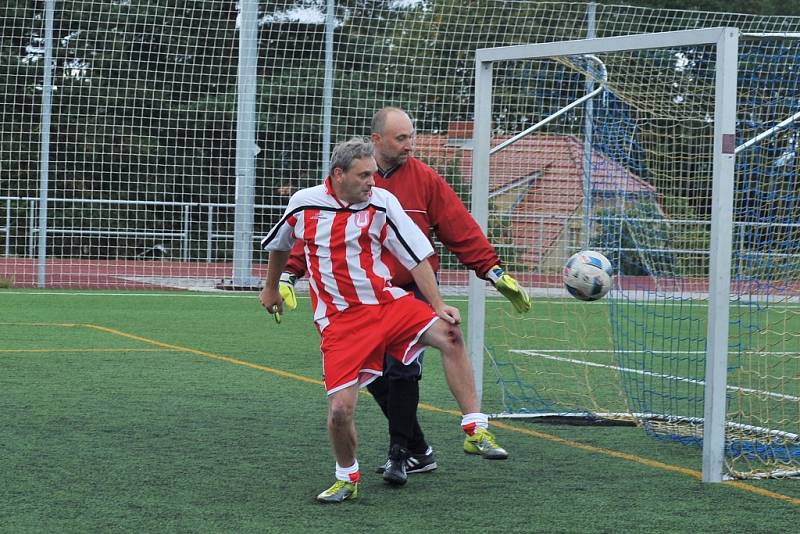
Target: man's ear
(375, 137)
(337, 174)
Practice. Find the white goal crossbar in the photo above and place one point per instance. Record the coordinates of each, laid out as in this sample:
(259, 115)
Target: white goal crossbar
(725, 40)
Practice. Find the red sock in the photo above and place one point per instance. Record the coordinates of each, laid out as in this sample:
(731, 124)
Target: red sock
(470, 428)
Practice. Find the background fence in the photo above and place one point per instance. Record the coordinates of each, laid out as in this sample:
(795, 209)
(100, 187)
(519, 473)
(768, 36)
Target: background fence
(146, 147)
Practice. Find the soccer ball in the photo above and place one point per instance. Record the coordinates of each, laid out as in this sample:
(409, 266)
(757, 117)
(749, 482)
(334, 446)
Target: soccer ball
(587, 275)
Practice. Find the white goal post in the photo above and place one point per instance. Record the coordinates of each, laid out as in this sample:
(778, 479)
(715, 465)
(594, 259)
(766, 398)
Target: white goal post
(725, 43)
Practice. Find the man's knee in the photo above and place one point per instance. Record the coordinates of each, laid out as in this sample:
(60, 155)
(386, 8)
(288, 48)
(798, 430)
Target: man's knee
(340, 413)
(455, 336)
(446, 337)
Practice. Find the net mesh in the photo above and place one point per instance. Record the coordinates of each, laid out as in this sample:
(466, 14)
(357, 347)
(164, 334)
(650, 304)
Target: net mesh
(647, 139)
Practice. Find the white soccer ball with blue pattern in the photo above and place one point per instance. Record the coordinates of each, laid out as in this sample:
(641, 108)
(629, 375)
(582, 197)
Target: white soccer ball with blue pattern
(588, 275)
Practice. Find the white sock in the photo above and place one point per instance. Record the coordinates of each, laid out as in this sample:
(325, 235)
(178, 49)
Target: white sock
(348, 474)
(470, 420)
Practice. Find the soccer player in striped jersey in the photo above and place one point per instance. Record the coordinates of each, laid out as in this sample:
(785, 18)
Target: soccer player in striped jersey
(346, 225)
(436, 209)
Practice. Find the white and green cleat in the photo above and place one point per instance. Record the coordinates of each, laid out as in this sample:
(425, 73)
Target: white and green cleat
(339, 492)
(484, 443)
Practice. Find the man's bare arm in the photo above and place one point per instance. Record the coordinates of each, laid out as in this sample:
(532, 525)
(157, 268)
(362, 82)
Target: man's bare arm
(270, 295)
(426, 283)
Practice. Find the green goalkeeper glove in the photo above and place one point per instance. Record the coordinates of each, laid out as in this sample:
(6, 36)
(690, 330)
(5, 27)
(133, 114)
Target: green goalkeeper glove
(509, 288)
(286, 288)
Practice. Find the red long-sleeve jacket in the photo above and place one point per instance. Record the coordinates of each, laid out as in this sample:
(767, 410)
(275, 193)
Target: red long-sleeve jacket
(434, 206)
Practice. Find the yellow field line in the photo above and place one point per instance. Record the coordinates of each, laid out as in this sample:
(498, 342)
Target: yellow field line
(645, 461)
(623, 456)
(211, 355)
(428, 407)
(73, 325)
(79, 350)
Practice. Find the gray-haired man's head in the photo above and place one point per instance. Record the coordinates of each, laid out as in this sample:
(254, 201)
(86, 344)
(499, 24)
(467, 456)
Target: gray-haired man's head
(344, 153)
(352, 170)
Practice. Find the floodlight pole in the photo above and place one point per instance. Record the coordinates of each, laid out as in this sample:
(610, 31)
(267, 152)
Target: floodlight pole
(246, 147)
(44, 156)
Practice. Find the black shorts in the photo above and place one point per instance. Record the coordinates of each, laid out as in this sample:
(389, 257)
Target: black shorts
(393, 369)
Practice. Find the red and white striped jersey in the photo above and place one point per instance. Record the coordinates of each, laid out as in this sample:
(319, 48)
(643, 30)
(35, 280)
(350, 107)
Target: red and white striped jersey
(343, 246)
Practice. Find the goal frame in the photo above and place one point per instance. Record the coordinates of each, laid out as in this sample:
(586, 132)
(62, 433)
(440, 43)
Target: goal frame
(725, 40)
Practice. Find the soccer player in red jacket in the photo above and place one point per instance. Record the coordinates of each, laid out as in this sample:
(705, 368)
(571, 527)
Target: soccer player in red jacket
(433, 205)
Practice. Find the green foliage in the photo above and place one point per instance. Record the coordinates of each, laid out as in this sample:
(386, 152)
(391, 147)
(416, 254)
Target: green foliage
(688, 232)
(144, 107)
(759, 7)
(129, 114)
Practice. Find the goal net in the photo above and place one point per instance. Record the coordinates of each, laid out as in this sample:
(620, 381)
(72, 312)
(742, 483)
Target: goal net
(621, 159)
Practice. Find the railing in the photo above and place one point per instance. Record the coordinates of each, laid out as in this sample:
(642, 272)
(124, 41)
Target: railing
(183, 228)
(7, 230)
(187, 231)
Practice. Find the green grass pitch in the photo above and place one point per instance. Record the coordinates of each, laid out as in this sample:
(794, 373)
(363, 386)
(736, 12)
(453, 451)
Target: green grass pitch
(187, 412)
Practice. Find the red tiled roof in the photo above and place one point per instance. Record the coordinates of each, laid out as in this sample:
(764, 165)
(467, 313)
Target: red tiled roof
(555, 194)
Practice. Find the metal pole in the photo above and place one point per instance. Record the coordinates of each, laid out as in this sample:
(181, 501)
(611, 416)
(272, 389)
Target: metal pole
(186, 230)
(246, 148)
(778, 127)
(715, 407)
(547, 120)
(327, 90)
(480, 211)
(44, 157)
(591, 33)
(8, 228)
(209, 233)
(31, 241)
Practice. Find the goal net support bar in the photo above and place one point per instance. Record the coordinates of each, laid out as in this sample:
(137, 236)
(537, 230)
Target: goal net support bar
(725, 42)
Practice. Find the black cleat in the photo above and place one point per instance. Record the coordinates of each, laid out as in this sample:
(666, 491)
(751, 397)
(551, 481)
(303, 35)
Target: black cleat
(416, 463)
(395, 472)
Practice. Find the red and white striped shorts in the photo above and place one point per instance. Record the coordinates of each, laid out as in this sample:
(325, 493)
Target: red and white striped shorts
(356, 340)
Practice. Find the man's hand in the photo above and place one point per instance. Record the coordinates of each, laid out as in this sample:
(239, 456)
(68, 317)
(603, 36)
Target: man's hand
(272, 302)
(449, 313)
(286, 288)
(509, 288)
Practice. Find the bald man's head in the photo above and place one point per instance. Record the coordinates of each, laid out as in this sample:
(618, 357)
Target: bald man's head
(393, 136)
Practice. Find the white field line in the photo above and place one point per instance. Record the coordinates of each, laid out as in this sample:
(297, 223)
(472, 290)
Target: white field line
(780, 396)
(606, 351)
